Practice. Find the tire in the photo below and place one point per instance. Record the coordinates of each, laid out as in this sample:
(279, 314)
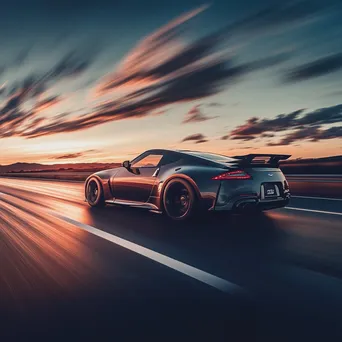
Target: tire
(179, 200)
(94, 193)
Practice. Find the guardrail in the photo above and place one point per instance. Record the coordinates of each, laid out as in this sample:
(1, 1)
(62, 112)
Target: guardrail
(314, 178)
(314, 175)
(316, 185)
(306, 184)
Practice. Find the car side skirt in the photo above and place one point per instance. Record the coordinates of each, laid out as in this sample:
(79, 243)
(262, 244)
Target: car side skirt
(133, 204)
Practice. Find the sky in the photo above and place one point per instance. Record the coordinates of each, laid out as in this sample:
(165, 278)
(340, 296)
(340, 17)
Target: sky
(103, 81)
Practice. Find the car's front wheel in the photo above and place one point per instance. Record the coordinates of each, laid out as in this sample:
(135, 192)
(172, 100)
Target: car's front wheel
(179, 200)
(94, 193)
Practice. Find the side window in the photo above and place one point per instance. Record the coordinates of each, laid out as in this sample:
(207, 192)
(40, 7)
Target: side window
(152, 160)
(170, 159)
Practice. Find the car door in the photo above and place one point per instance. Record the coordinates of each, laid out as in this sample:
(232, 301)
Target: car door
(136, 183)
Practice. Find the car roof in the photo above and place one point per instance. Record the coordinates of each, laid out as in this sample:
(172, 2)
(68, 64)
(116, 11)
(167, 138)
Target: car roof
(183, 151)
(195, 154)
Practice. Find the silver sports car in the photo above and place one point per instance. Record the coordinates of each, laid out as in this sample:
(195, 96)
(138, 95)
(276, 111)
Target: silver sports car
(182, 183)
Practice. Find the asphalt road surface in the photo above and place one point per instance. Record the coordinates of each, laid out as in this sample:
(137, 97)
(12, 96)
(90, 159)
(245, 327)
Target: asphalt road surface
(71, 272)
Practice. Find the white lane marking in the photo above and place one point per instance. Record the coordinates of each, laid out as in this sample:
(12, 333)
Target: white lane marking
(202, 276)
(315, 211)
(319, 198)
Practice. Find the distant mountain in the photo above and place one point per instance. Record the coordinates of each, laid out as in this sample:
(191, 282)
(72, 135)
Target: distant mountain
(30, 167)
(20, 166)
(325, 165)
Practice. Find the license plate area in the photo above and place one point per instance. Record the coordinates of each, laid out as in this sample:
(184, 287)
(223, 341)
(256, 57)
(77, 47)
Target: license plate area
(269, 191)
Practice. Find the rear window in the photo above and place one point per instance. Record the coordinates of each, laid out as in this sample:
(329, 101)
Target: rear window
(212, 156)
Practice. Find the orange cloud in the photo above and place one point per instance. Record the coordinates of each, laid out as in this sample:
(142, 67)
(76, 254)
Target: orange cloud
(47, 103)
(150, 52)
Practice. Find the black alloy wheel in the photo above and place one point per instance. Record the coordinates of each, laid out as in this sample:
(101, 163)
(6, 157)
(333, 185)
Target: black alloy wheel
(179, 199)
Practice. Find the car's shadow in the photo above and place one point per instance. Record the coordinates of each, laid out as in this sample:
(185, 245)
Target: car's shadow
(213, 237)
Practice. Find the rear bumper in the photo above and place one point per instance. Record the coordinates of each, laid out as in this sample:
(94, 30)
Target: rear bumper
(253, 202)
(244, 196)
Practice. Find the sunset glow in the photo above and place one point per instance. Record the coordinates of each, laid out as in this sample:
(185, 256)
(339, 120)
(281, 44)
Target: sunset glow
(175, 84)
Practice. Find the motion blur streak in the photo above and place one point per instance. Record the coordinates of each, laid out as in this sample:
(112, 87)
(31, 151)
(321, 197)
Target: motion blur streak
(34, 248)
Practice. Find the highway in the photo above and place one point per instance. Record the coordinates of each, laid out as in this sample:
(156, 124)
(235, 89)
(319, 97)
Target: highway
(68, 271)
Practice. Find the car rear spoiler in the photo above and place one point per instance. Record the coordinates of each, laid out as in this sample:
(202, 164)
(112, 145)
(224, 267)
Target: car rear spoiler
(262, 159)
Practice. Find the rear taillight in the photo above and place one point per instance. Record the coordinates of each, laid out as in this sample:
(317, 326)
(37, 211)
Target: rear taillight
(236, 174)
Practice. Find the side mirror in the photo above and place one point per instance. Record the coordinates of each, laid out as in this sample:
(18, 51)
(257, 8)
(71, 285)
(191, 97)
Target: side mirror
(126, 164)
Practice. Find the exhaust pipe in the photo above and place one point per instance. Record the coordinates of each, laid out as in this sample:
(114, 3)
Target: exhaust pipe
(243, 206)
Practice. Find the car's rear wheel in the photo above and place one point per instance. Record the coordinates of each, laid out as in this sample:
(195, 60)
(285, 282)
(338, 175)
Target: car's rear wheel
(94, 193)
(179, 200)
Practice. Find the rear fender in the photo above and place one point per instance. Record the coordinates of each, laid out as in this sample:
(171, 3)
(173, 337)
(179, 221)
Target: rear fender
(206, 199)
(182, 176)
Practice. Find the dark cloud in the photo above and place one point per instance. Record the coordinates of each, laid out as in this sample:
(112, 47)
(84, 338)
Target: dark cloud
(195, 115)
(201, 80)
(73, 155)
(201, 141)
(159, 112)
(330, 133)
(13, 117)
(162, 69)
(186, 72)
(47, 103)
(34, 123)
(34, 84)
(302, 126)
(69, 156)
(322, 116)
(319, 67)
(197, 138)
(255, 126)
(71, 65)
(267, 135)
(310, 133)
(143, 63)
(242, 137)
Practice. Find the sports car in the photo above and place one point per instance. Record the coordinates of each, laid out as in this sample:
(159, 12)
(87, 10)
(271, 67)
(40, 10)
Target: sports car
(181, 183)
